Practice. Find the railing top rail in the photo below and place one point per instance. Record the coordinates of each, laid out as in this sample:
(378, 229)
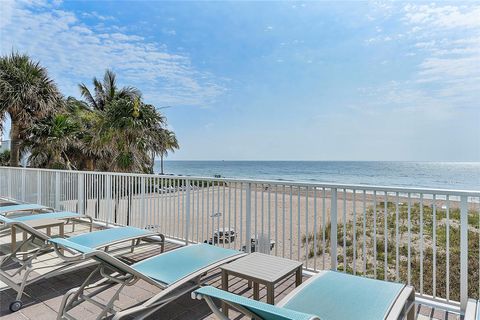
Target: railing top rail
(400, 189)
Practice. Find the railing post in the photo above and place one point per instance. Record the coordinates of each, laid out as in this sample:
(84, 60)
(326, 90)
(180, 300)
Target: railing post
(39, 187)
(463, 253)
(248, 216)
(81, 193)
(9, 187)
(333, 229)
(23, 185)
(57, 190)
(187, 210)
(142, 202)
(108, 197)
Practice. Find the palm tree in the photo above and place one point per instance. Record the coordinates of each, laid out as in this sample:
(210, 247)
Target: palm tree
(126, 132)
(168, 142)
(107, 91)
(50, 139)
(26, 94)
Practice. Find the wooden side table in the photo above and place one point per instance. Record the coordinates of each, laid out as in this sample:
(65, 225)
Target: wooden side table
(38, 224)
(262, 269)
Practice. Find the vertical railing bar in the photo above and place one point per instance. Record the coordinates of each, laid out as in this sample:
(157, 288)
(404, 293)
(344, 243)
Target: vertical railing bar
(434, 245)
(315, 228)
(39, 188)
(344, 218)
(364, 249)
(224, 214)
(248, 214)
(463, 253)
(375, 234)
(324, 225)
(229, 213)
(208, 211)
(397, 238)
(306, 226)
(108, 197)
(276, 219)
(354, 231)
(269, 211)
(447, 240)
(409, 225)
(218, 211)
(385, 209)
(256, 214)
(284, 221)
(187, 210)
(213, 213)
(333, 229)
(291, 222)
(421, 243)
(197, 192)
(241, 214)
(262, 228)
(298, 224)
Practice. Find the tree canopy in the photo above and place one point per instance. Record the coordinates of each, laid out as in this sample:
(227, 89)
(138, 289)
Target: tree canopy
(110, 129)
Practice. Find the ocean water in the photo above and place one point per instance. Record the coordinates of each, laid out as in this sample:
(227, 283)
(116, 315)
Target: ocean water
(445, 175)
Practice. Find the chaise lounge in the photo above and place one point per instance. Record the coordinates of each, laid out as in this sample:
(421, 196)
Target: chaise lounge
(175, 273)
(328, 295)
(29, 257)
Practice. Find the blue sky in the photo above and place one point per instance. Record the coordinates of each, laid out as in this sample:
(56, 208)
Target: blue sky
(276, 80)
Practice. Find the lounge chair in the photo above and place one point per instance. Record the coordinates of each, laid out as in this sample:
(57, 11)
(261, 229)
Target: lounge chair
(17, 212)
(175, 272)
(327, 295)
(473, 310)
(61, 215)
(22, 208)
(29, 258)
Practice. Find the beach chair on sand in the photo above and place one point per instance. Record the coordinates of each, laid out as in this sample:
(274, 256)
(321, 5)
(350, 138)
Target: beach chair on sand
(29, 262)
(174, 272)
(326, 296)
(473, 310)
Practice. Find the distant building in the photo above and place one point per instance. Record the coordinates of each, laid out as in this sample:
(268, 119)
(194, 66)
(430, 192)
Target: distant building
(4, 145)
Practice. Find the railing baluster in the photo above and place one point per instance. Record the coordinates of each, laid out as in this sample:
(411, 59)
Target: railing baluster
(397, 239)
(354, 232)
(447, 240)
(248, 216)
(434, 246)
(463, 253)
(315, 228)
(324, 226)
(307, 232)
(364, 249)
(375, 234)
(333, 232)
(344, 218)
(409, 227)
(385, 235)
(421, 243)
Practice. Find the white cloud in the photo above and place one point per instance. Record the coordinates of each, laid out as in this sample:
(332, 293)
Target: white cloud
(74, 51)
(445, 40)
(449, 40)
(443, 17)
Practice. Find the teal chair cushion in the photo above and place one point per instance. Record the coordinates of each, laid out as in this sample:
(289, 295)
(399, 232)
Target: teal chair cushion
(172, 266)
(336, 295)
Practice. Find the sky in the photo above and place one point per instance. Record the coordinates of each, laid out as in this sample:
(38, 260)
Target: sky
(375, 80)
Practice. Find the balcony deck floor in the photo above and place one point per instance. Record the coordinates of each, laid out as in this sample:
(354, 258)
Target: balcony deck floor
(44, 298)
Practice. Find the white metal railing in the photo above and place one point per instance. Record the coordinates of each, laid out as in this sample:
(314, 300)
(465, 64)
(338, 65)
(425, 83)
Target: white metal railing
(428, 238)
